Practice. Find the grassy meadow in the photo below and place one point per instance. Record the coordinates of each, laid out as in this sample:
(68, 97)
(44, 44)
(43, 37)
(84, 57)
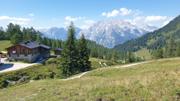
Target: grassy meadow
(4, 44)
(99, 63)
(158, 80)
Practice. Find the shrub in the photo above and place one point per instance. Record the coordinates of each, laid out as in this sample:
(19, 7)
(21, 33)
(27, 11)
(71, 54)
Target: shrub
(38, 72)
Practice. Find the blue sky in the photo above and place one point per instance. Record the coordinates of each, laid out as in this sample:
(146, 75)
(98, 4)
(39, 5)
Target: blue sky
(51, 13)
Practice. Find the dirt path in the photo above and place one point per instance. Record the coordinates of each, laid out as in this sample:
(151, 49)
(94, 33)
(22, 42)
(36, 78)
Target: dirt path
(75, 77)
(122, 66)
(130, 65)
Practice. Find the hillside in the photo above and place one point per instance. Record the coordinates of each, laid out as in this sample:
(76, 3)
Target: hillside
(4, 44)
(99, 51)
(154, 40)
(158, 80)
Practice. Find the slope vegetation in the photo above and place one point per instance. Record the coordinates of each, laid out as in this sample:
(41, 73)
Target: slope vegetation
(154, 40)
(158, 80)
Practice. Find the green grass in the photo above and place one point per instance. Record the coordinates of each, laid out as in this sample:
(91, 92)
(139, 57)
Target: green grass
(4, 44)
(158, 80)
(99, 63)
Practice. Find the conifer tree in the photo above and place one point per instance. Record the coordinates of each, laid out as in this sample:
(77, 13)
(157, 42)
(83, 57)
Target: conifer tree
(2, 34)
(38, 37)
(16, 38)
(69, 56)
(130, 57)
(10, 30)
(84, 53)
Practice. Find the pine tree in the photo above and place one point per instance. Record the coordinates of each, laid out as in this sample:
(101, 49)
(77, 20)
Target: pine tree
(16, 38)
(14, 33)
(69, 56)
(84, 53)
(130, 57)
(2, 34)
(38, 38)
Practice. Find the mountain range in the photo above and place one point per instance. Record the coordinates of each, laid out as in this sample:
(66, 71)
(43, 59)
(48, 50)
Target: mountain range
(108, 33)
(154, 40)
(57, 33)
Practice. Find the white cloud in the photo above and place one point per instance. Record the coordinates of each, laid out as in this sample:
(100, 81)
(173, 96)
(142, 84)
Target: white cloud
(166, 22)
(4, 20)
(87, 23)
(117, 12)
(31, 14)
(125, 11)
(69, 18)
(155, 18)
(79, 21)
(137, 17)
(111, 14)
(157, 21)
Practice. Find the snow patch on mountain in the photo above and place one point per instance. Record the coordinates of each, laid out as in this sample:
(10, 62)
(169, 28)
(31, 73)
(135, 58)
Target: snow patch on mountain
(112, 32)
